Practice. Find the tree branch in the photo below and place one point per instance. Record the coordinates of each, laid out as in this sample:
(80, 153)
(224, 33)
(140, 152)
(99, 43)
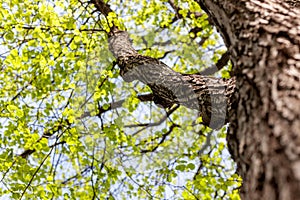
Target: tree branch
(117, 104)
(162, 139)
(207, 94)
(219, 65)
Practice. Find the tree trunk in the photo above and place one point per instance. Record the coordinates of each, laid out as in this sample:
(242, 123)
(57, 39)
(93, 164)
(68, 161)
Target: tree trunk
(263, 38)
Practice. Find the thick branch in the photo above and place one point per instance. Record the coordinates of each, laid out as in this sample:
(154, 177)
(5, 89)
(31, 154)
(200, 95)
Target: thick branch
(207, 94)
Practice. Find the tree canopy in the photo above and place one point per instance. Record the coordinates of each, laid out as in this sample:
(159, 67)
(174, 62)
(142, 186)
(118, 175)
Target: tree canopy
(71, 128)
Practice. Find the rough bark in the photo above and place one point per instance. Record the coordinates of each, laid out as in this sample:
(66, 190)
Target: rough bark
(207, 94)
(263, 38)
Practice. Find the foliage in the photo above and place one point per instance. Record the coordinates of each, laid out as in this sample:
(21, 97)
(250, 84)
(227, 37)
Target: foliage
(72, 129)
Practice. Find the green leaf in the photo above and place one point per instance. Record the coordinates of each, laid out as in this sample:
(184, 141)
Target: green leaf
(180, 167)
(9, 36)
(191, 166)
